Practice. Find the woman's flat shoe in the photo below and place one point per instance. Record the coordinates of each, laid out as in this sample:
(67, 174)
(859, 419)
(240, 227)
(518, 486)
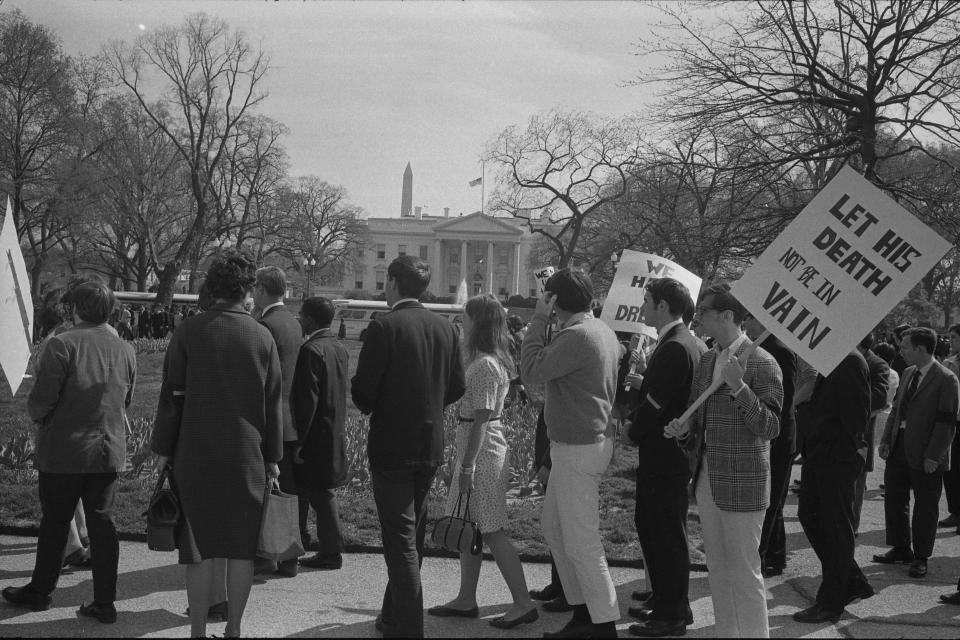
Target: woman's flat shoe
(79, 558)
(443, 611)
(502, 623)
(953, 598)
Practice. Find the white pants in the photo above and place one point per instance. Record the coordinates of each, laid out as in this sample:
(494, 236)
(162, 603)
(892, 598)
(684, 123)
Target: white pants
(731, 540)
(571, 526)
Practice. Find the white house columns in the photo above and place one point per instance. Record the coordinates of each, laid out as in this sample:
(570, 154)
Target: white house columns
(489, 274)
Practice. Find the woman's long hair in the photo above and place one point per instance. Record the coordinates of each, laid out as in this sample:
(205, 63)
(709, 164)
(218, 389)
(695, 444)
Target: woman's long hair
(489, 334)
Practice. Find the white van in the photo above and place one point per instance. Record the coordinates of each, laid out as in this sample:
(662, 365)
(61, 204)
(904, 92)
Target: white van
(355, 315)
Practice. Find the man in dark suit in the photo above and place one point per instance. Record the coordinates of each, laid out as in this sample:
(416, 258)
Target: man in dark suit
(834, 451)
(318, 402)
(663, 472)
(268, 292)
(916, 446)
(773, 538)
(409, 369)
(879, 382)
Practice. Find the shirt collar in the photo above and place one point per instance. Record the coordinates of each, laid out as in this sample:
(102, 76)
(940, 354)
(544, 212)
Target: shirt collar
(270, 306)
(923, 370)
(576, 318)
(667, 327)
(317, 332)
(401, 301)
(734, 346)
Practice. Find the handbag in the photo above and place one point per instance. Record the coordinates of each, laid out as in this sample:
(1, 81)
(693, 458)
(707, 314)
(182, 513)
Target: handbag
(163, 514)
(457, 532)
(280, 527)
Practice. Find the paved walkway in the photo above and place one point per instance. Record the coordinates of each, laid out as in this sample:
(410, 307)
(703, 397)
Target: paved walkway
(345, 603)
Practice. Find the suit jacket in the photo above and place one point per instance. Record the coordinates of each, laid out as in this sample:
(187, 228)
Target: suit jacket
(839, 414)
(83, 387)
(288, 335)
(734, 432)
(664, 393)
(409, 369)
(318, 402)
(930, 415)
(786, 441)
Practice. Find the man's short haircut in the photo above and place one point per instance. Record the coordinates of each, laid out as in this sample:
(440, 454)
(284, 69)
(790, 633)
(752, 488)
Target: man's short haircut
(867, 342)
(954, 328)
(573, 288)
(411, 274)
(899, 331)
(320, 310)
(723, 300)
(93, 302)
(671, 291)
(922, 337)
(886, 351)
(273, 280)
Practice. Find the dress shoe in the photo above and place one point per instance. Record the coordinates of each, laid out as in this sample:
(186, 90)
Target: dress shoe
(328, 562)
(771, 572)
(79, 558)
(443, 611)
(502, 623)
(658, 628)
(262, 565)
(817, 614)
(897, 555)
(27, 597)
(309, 542)
(950, 521)
(216, 612)
(641, 596)
(645, 614)
(951, 598)
(557, 605)
(287, 569)
(918, 569)
(572, 630)
(105, 612)
(862, 593)
(549, 592)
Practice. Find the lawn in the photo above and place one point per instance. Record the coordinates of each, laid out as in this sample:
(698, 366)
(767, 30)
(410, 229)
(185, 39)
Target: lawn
(19, 505)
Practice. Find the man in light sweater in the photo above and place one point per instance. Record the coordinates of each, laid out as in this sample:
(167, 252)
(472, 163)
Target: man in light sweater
(579, 367)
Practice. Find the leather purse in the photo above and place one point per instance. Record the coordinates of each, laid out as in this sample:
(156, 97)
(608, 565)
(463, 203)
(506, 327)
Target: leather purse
(163, 514)
(280, 528)
(457, 532)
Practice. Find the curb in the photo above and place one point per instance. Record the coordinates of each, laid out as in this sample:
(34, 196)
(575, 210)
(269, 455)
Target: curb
(129, 536)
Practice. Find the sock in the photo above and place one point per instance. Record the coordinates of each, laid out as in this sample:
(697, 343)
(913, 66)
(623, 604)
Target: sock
(605, 630)
(581, 615)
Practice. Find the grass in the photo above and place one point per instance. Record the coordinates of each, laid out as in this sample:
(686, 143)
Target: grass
(19, 505)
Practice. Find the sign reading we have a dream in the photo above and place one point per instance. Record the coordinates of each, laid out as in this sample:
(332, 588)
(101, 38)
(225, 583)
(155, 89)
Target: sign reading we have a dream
(621, 309)
(838, 269)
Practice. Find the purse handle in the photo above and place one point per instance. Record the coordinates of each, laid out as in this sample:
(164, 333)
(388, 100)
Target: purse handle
(466, 506)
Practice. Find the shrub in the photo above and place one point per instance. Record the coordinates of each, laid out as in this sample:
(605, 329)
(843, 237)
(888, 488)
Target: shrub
(150, 345)
(140, 457)
(357, 294)
(18, 452)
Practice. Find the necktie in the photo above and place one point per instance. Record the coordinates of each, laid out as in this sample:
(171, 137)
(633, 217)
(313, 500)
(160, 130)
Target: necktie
(912, 388)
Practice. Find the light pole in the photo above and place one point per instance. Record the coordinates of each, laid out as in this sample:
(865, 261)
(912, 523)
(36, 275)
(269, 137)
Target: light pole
(308, 265)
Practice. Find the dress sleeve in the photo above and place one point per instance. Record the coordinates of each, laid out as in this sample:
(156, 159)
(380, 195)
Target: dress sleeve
(483, 384)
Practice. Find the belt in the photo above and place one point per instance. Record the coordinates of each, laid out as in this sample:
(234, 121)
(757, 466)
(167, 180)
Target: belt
(491, 419)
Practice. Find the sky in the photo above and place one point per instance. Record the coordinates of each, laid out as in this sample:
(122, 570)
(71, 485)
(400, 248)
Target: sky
(365, 87)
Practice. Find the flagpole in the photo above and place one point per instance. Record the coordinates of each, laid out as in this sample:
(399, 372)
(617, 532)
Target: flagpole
(483, 186)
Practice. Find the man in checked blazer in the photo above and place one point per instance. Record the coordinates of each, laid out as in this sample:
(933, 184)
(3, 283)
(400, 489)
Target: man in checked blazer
(730, 445)
(409, 369)
(916, 446)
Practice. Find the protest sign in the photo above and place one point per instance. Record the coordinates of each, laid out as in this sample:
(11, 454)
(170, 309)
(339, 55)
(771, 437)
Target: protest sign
(16, 306)
(833, 274)
(542, 275)
(621, 309)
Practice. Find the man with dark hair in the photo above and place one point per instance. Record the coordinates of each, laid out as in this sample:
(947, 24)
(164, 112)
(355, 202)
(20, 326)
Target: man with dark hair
(663, 472)
(408, 370)
(84, 384)
(773, 538)
(899, 363)
(268, 291)
(730, 451)
(318, 401)
(579, 368)
(879, 383)
(834, 451)
(916, 445)
(951, 477)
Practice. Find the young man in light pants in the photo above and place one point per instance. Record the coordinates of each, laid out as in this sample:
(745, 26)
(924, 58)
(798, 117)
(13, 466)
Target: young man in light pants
(579, 367)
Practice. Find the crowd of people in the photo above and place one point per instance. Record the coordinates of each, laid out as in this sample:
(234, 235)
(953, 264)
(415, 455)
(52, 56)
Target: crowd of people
(250, 401)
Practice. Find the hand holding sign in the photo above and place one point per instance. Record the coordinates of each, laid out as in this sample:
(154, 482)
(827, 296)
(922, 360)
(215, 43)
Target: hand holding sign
(732, 373)
(677, 429)
(545, 304)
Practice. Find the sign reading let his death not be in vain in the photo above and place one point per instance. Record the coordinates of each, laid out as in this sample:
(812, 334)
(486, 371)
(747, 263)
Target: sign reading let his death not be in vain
(838, 269)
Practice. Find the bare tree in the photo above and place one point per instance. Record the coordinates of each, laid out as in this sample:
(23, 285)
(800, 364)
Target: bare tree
(882, 68)
(211, 80)
(562, 168)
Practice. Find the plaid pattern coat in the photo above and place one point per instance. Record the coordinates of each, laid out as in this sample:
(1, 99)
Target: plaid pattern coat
(734, 433)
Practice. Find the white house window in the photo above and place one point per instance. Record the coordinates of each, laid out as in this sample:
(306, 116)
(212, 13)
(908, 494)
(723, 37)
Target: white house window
(423, 252)
(381, 278)
(402, 250)
(381, 251)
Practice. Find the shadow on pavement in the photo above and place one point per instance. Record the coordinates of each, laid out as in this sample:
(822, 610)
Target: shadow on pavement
(129, 624)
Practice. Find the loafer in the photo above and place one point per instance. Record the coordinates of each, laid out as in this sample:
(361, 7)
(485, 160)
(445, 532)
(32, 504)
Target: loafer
(443, 611)
(950, 521)
(549, 592)
(558, 605)
(641, 596)
(262, 565)
(502, 623)
(658, 628)
(817, 614)
(28, 598)
(897, 555)
(864, 592)
(918, 569)
(287, 569)
(645, 614)
(951, 598)
(330, 562)
(216, 612)
(105, 612)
